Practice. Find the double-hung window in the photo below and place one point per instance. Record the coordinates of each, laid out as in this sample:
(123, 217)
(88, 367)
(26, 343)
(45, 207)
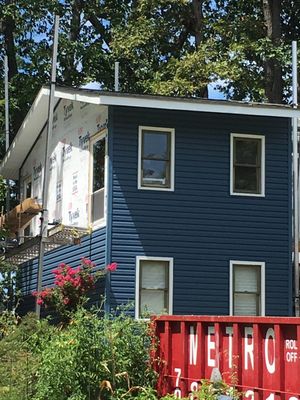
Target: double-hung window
(247, 165)
(156, 158)
(154, 280)
(247, 288)
(97, 183)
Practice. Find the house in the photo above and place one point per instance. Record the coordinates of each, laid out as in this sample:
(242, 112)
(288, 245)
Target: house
(192, 198)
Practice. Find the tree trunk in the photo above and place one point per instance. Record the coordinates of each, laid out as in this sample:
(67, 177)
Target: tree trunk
(198, 33)
(198, 21)
(8, 32)
(69, 74)
(273, 69)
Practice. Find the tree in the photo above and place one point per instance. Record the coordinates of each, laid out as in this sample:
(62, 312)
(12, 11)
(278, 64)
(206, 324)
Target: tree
(174, 47)
(273, 69)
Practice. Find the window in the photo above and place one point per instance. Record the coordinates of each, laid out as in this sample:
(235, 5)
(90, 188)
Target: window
(97, 190)
(247, 165)
(247, 288)
(154, 280)
(27, 189)
(25, 232)
(156, 158)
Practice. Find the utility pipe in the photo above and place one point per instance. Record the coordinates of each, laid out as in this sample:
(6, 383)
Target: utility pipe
(295, 180)
(44, 214)
(117, 76)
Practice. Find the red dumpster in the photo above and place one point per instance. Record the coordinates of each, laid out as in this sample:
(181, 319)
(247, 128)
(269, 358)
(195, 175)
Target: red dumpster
(259, 354)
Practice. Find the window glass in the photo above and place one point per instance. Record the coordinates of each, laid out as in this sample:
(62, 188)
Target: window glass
(247, 151)
(28, 191)
(155, 145)
(246, 290)
(246, 180)
(245, 304)
(156, 158)
(247, 160)
(154, 287)
(98, 164)
(152, 301)
(27, 233)
(98, 179)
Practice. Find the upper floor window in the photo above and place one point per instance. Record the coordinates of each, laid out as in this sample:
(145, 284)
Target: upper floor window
(247, 282)
(156, 158)
(154, 280)
(27, 188)
(97, 184)
(247, 165)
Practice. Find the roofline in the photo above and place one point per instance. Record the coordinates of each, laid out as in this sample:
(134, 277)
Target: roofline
(38, 114)
(177, 103)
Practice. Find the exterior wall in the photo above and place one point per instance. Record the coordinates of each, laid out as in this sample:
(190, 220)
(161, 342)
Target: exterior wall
(73, 125)
(92, 247)
(199, 224)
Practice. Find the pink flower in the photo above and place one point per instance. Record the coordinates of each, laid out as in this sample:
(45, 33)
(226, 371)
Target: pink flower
(40, 302)
(112, 267)
(87, 262)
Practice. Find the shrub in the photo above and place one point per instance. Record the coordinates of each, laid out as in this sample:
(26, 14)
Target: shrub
(92, 356)
(71, 286)
(20, 349)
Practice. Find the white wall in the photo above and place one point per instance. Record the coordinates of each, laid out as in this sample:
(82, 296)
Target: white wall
(74, 123)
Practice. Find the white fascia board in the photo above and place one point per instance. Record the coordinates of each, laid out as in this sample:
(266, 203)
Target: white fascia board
(26, 136)
(180, 104)
(208, 106)
(80, 95)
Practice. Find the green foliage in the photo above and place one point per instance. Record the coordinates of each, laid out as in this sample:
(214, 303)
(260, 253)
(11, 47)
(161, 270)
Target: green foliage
(211, 391)
(92, 356)
(9, 293)
(164, 46)
(20, 349)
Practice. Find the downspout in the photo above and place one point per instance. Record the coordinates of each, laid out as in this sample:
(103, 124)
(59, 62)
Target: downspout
(296, 180)
(109, 200)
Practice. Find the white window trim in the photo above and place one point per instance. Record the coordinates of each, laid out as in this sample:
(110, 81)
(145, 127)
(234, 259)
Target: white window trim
(262, 283)
(172, 161)
(101, 222)
(262, 172)
(137, 281)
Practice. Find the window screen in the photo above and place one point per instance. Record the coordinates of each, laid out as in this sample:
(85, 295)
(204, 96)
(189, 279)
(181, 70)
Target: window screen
(155, 158)
(247, 168)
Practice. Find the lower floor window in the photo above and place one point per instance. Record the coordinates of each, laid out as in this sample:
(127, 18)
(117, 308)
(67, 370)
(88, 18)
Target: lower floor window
(154, 278)
(247, 284)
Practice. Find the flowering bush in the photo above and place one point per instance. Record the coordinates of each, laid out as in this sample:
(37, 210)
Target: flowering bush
(71, 286)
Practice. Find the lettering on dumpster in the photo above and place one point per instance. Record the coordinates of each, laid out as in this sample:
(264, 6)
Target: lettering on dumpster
(247, 356)
(291, 356)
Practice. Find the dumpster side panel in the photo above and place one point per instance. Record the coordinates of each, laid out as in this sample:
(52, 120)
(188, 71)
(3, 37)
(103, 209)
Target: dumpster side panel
(259, 355)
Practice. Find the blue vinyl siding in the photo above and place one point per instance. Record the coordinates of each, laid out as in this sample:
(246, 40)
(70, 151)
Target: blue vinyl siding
(199, 224)
(92, 247)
